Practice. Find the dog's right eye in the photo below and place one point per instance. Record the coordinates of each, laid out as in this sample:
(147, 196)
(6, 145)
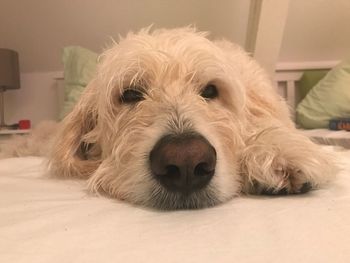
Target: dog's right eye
(131, 96)
(210, 92)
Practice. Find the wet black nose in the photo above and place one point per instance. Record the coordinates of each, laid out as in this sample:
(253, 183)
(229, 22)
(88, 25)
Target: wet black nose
(183, 163)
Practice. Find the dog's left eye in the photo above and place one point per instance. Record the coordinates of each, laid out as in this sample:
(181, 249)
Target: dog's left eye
(210, 92)
(131, 96)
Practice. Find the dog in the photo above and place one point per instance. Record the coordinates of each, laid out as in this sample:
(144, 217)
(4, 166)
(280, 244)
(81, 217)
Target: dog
(173, 120)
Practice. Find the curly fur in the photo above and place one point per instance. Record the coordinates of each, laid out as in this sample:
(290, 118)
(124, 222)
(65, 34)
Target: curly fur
(258, 148)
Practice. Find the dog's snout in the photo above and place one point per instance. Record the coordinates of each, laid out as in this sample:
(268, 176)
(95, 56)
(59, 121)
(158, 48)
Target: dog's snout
(183, 163)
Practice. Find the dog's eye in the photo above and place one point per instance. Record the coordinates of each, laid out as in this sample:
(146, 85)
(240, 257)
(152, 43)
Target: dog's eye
(210, 92)
(131, 96)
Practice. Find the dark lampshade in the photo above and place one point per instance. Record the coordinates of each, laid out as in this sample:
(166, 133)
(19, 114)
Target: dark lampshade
(9, 69)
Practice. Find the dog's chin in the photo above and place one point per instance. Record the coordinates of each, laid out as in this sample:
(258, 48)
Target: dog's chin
(163, 199)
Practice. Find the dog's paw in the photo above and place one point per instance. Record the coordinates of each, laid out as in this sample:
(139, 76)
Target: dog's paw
(283, 162)
(306, 187)
(289, 181)
(282, 180)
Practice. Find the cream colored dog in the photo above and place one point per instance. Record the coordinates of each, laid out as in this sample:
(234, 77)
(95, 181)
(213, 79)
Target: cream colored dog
(173, 120)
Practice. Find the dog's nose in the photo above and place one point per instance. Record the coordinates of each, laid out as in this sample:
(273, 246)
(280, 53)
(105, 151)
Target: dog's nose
(183, 163)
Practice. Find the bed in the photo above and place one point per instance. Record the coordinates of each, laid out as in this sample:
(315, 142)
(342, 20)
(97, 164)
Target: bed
(49, 220)
(294, 81)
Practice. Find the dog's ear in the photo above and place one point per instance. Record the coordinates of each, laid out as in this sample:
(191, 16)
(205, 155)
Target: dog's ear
(76, 151)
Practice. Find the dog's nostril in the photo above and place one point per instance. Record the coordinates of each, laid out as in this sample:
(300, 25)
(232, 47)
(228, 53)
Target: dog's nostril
(203, 169)
(172, 171)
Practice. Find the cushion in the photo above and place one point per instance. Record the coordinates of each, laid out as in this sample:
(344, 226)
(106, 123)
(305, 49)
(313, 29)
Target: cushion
(308, 80)
(79, 68)
(330, 98)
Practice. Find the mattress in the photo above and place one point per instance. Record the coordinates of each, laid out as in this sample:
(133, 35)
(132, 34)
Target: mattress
(51, 220)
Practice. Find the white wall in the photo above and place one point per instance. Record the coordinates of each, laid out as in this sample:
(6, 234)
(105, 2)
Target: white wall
(38, 29)
(316, 30)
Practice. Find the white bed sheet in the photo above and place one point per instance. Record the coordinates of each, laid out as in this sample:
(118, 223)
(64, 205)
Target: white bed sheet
(48, 220)
(329, 137)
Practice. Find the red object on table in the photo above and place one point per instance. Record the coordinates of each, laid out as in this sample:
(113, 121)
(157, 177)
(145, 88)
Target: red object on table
(24, 124)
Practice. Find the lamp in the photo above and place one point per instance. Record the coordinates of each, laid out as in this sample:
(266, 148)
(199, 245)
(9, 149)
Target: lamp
(9, 77)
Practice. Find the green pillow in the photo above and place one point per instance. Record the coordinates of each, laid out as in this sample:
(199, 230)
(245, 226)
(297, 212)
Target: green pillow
(79, 68)
(329, 99)
(308, 80)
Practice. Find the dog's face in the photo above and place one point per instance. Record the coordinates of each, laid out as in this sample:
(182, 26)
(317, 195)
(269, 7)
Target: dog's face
(167, 121)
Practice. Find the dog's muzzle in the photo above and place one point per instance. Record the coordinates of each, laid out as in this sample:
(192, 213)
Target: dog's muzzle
(183, 163)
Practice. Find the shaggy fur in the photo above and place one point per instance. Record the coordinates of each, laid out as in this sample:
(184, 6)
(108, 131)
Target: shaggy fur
(108, 142)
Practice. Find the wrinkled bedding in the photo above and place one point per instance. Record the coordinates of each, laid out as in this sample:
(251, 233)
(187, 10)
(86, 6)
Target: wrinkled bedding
(328, 137)
(50, 220)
